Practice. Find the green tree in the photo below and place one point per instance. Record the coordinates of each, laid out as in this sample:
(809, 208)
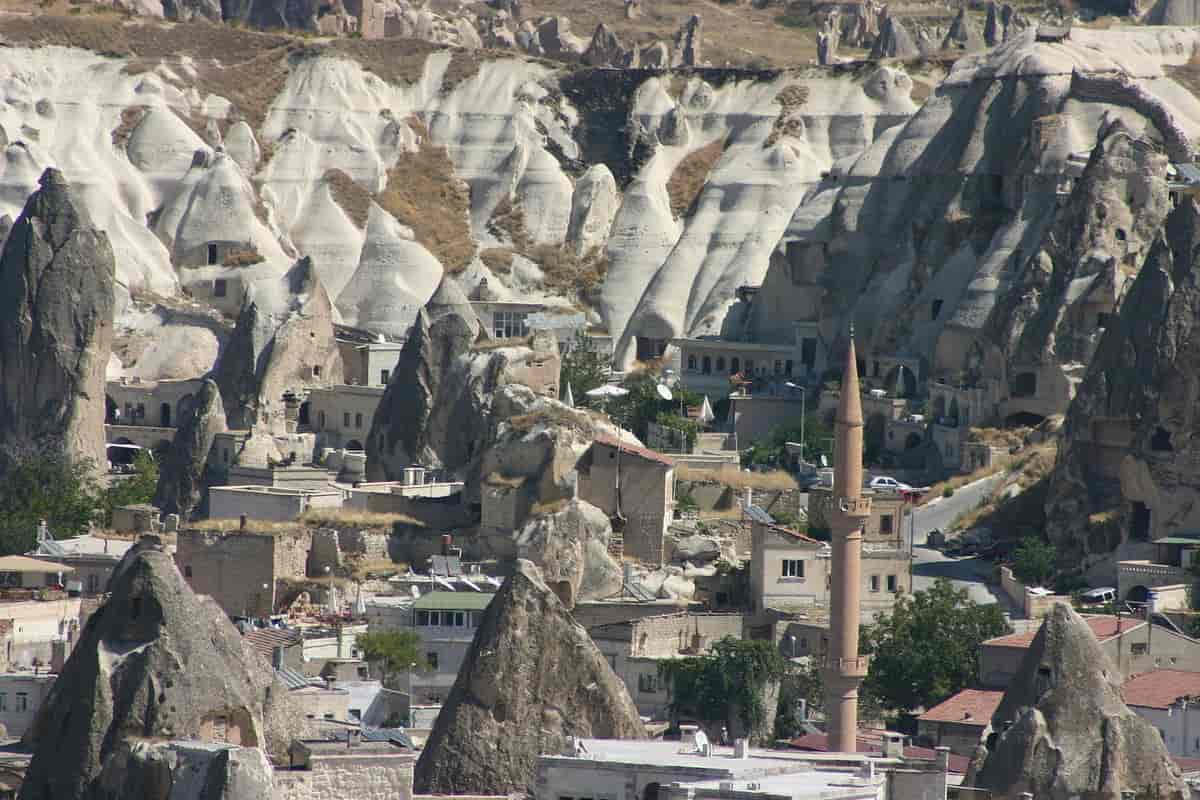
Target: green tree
(1033, 561)
(772, 451)
(138, 488)
(583, 367)
(727, 682)
(393, 651)
(804, 682)
(926, 649)
(43, 486)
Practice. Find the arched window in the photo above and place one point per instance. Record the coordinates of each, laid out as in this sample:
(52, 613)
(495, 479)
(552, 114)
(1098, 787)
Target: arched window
(734, 365)
(692, 363)
(707, 365)
(720, 363)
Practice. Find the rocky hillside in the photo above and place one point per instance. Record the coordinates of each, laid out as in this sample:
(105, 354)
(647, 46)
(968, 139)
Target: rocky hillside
(215, 158)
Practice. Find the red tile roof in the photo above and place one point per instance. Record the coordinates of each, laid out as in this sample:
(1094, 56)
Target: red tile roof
(265, 640)
(633, 449)
(968, 707)
(1104, 627)
(1187, 765)
(1159, 688)
(869, 743)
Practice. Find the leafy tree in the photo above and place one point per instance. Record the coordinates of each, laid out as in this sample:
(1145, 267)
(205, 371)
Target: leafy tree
(772, 451)
(583, 367)
(805, 682)
(44, 486)
(139, 488)
(1033, 561)
(926, 649)
(394, 651)
(730, 679)
(689, 428)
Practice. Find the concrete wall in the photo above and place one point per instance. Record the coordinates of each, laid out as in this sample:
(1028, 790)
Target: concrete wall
(140, 402)
(886, 509)
(341, 415)
(363, 777)
(961, 739)
(267, 502)
(769, 586)
(756, 417)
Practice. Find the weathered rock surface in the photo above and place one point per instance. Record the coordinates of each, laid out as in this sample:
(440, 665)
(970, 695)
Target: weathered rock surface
(187, 771)
(156, 661)
(437, 408)
(180, 477)
(570, 547)
(532, 679)
(687, 43)
(274, 349)
(56, 326)
(1139, 383)
(963, 35)
(894, 41)
(1063, 730)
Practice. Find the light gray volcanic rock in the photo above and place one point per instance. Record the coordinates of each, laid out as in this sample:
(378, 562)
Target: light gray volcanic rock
(1063, 731)
(56, 326)
(894, 41)
(532, 679)
(180, 477)
(270, 352)
(155, 662)
(570, 546)
(963, 35)
(187, 771)
(687, 43)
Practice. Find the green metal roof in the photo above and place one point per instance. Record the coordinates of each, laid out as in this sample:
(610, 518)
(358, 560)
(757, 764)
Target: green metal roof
(1192, 540)
(453, 601)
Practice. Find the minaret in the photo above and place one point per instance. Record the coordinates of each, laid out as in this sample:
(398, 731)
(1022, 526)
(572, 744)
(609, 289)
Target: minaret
(844, 668)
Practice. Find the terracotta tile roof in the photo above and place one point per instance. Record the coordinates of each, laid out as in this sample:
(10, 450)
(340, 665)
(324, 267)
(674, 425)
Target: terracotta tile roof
(1159, 688)
(794, 534)
(634, 450)
(265, 640)
(869, 743)
(1187, 765)
(1104, 627)
(968, 707)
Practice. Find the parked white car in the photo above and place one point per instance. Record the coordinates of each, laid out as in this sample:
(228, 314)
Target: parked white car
(883, 483)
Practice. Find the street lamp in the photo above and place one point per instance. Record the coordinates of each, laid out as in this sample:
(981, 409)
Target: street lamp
(803, 397)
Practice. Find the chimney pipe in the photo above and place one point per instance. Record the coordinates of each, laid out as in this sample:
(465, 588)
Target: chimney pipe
(242, 523)
(447, 540)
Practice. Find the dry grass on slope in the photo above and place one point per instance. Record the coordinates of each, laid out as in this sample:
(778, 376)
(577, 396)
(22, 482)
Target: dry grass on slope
(690, 175)
(352, 198)
(737, 479)
(565, 272)
(424, 193)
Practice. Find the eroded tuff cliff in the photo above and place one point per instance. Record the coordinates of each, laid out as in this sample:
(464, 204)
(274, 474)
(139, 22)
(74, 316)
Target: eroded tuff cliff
(180, 476)
(155, 662)
(56, 326)
(1063, 731)
(531, 679)
(1125, 472)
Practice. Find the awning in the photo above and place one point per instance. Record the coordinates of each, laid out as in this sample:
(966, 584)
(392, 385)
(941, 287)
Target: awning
(26, 564)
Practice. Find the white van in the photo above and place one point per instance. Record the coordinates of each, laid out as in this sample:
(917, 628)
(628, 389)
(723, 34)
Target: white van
(1098, 596)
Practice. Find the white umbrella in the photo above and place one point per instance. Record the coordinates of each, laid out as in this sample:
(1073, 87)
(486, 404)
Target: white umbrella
(607, 390)
(569, 399)
(706, 412)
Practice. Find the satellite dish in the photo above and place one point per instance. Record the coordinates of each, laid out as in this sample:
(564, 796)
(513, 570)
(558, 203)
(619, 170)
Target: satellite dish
(663, 391)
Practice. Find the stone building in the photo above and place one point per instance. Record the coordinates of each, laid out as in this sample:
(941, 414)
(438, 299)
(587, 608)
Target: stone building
(271, 503)
(242, 570)
(446, 623)
(1133, 646)
(647, 492)
(21, 695)
(1166, 698)
(92, 557)
(352, 766)
(959, 721)
(791, 572)
(341, 415)
(884, 526)
(634, 648)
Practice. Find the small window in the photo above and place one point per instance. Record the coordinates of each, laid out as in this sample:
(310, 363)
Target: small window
(1139, 648)
(383, 376)
(316, 371)
(1120, 234)
(885, 524)
(358, 420)
(793, 568)
(187, 571)
(432, 660)
(706, 367)
(787, 367)
(3, 701)
(734, 365)
(422, 618)
(345, 419)
(692, 363)
(804, 643)
(935, 309)
(647, 683)
(212, 254)
(720, 363)
(778, 366)
(22, 701)
(892, 584)
(874, 583)
(220, 287)
(225, 455)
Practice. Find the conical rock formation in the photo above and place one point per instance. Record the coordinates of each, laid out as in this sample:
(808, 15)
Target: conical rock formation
(180, 479)
(1063, 731)
(532, 679)
(56, 326)
(155, 662)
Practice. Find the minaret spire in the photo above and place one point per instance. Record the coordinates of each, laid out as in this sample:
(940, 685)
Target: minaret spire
(844, 668)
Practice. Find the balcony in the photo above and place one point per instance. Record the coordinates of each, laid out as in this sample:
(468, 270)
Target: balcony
(847, 667)
(1150, 574)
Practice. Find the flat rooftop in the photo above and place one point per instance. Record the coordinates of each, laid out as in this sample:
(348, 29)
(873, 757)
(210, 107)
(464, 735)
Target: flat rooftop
(722, 764)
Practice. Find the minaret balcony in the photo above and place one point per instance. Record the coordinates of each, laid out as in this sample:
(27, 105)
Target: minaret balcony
(854, 507)
(848, 667)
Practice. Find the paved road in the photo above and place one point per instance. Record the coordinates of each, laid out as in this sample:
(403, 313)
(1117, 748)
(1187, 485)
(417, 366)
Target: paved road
(929, 564)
